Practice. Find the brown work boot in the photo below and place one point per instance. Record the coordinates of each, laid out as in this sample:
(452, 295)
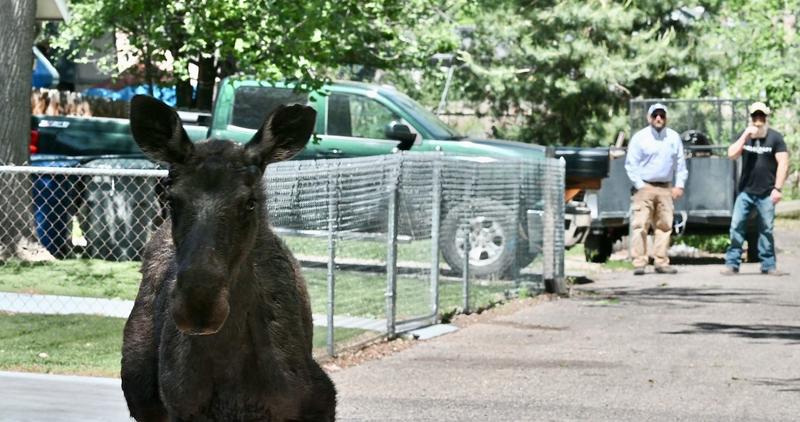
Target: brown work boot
(666, 269)
(729, 271)
(638, 271)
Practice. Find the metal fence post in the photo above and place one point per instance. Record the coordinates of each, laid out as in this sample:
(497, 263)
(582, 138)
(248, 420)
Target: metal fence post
(436, 212)
(391, 248)
(629, 245)
(548, 243)
(560, 275)
(516, 235)
(554, 282)
(333, 216)
(465, 270)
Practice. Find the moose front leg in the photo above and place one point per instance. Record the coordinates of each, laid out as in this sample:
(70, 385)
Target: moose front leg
(140, 366)
(184, 375)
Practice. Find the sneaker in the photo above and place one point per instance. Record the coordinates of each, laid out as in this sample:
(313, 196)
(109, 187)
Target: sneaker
(666, 270)
(773, 271)
(638, 271)
(729, 271)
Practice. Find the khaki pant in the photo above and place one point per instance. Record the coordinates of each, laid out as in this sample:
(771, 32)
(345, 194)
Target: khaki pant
(651, 207)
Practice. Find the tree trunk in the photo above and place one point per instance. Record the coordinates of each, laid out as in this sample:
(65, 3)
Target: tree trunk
(17, 31)
(206, 77)
(183, 94)
(149, 76)
(16, 56)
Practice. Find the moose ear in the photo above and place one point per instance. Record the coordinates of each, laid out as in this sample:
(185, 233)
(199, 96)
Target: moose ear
(158, 130)
(284, 133)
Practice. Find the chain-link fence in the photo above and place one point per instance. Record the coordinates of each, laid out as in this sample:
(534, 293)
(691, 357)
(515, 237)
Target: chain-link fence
(382, 240)
(709, 122)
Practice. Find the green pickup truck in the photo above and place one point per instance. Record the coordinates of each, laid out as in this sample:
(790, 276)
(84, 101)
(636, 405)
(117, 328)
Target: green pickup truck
(353, 120)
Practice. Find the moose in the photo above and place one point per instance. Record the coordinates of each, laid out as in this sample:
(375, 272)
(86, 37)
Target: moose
(221, 328)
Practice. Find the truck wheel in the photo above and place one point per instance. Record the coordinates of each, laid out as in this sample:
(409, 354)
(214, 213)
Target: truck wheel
(491, 236)
(597, 248)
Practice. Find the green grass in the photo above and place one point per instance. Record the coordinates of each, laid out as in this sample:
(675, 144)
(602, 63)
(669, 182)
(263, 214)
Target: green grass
(710, 243)
(72, 277)
(82, 344)
(357, 293)
(618, 265)
(575, 251)
(73, 344)
(362, 294)
(417, 251)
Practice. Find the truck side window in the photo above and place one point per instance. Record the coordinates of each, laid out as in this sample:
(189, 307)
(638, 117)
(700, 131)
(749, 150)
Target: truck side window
(357, 116)
(252, 104)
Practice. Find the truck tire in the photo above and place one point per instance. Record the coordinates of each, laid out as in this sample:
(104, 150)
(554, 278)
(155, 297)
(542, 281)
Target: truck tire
(597, 248)
(492, 240)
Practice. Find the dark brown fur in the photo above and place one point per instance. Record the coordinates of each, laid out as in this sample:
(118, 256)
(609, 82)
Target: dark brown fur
(221, 329)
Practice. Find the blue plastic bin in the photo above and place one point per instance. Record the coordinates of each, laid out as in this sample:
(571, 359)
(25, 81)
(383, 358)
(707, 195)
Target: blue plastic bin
(55, 201)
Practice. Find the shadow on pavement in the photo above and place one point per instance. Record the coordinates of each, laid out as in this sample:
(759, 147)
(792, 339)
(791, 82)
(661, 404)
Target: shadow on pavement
(790, 385)
(683, 296)
(789, 333)
(581, 279)
(703, 260)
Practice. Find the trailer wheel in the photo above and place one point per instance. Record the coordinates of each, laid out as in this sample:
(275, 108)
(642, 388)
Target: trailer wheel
(597, 248)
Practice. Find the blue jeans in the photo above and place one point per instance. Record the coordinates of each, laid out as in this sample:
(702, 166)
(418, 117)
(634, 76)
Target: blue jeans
(766, 222)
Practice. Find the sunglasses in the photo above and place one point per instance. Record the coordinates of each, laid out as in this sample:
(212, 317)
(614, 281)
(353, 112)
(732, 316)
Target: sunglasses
(657, 115)
(758, 115)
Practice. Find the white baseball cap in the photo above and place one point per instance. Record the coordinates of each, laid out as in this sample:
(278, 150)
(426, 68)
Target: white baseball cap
(656, 106)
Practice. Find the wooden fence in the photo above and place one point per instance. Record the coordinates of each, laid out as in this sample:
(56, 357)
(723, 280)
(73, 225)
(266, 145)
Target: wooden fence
(53, 102)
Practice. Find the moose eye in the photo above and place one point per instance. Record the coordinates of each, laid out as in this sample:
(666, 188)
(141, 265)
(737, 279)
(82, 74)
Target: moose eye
(251, 204)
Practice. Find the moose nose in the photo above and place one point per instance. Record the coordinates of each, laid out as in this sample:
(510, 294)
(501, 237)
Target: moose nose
(199, 303)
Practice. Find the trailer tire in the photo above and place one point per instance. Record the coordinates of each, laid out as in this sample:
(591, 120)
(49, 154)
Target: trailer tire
(597, 248)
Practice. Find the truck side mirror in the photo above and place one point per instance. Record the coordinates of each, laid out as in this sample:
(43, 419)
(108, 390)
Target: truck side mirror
(402, 133)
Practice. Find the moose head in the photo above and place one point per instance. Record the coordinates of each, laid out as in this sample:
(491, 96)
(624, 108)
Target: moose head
(216, 200)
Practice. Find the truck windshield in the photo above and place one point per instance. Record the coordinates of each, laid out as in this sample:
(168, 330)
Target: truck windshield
(252, 103)
(437, 128)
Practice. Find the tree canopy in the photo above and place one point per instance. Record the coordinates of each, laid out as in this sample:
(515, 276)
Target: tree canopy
(566, 68)
(302, 41)
(570, 67)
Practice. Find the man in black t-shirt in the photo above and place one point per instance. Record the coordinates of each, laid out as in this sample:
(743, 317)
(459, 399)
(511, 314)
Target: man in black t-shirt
(765, 165)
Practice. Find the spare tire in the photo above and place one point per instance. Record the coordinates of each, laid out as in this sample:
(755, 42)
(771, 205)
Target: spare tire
(693, 140)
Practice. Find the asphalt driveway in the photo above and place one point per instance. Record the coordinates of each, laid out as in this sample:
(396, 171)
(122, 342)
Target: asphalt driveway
(696, 346)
